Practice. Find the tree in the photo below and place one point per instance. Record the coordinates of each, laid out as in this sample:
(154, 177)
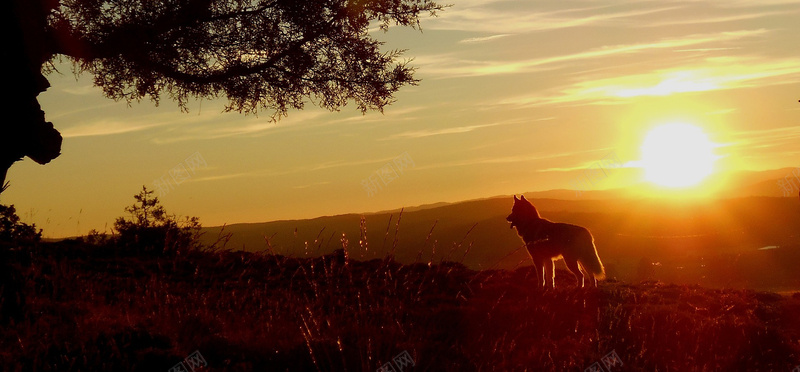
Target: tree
(12, 231)
(150, 230)
(23, 129)
(271, 55)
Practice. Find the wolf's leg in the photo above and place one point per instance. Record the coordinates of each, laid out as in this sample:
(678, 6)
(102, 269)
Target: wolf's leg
(587, 274)
(550, 273)
(573, 266)
(537, 266)
(538, 269)
(592, 279)
(542, 272)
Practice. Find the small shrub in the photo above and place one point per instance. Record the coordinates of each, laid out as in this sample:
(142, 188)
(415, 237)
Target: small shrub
(97, 238)
(12, 231)
(151, 230)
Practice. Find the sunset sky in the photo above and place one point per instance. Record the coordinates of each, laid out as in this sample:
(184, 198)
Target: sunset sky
(515, 96)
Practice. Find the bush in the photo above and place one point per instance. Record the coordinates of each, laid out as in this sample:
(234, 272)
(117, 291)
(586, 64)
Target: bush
(12, 231)
(150, 230)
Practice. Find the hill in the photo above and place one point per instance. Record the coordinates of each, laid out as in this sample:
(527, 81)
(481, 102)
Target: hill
(714, 242)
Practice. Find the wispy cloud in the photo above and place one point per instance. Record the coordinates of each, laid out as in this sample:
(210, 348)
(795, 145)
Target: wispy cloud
(501, 160)
(714, 19)
(300, 187)
(451, 67)
(82, 90)
(714, 74)
(390, 113)
(766, 137)
(721, 112)
(229, 176)
(238, 125)
(483, 39)
(296, 169)
(452, 130)
(497, 20)
(586, 165)
(753, 3)
(80, 112)
(105, 128)
(92, 122)
(704, 50)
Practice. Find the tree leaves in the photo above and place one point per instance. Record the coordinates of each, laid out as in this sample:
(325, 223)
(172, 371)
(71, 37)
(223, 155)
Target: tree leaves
(271, 55)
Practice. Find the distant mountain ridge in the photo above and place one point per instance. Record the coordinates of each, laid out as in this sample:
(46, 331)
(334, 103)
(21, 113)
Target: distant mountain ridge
(744, 184)
(627, 228)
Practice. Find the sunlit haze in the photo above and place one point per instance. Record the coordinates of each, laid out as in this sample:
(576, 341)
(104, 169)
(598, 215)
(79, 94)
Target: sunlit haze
(516, 96)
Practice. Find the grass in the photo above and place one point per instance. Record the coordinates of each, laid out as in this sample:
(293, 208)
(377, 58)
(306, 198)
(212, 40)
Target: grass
(89, 308)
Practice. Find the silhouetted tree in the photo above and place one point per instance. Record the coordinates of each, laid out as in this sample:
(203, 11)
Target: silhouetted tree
(23, 130)
(13, 234)
(150, 230)
(13, 231)
(260, 54)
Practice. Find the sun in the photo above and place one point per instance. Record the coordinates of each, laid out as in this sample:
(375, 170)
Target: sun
(677, 155)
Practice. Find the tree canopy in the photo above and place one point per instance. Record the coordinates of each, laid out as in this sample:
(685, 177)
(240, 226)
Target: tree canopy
(261, 55)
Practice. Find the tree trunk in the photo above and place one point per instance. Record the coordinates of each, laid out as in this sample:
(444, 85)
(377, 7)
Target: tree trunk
(23, 128)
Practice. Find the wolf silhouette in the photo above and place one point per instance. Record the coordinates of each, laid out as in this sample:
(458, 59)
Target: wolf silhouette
(548, 241)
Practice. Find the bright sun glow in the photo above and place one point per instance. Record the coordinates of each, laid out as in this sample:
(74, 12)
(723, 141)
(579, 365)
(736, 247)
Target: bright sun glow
(677, 155)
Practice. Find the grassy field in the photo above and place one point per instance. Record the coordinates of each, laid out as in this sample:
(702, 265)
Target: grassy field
(88, 308)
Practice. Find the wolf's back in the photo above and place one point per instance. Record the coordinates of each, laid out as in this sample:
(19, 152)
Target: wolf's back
(582, 242)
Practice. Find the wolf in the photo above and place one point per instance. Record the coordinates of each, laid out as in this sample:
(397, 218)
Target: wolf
(548, 241)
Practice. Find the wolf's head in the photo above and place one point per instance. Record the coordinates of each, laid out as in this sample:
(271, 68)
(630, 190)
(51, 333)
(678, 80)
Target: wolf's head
(522, 211)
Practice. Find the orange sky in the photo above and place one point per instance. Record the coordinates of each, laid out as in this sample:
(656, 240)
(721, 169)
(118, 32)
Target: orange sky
(516, 96)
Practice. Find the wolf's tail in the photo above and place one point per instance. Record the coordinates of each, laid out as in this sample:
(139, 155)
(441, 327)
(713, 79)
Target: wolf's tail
(591, 260)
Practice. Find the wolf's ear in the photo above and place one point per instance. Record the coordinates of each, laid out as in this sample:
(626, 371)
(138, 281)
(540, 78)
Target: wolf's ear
(515, 198)
(523, 198)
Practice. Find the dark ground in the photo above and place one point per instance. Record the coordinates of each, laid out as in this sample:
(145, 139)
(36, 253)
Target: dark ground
(97, 309)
